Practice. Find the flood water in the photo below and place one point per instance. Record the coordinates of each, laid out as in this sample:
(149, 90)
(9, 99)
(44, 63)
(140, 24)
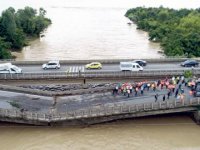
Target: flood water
(155, 133)
(97, 29)
(91, 29)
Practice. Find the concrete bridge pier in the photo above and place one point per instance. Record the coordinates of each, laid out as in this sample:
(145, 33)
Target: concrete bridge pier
(197, 116)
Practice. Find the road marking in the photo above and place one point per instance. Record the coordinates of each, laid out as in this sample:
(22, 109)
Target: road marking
(76, 69)
(70, 69)
(80, 68)
(73, 69)
(83, 68)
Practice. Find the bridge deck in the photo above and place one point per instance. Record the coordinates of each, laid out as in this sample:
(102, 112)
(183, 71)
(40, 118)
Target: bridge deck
(39, 108)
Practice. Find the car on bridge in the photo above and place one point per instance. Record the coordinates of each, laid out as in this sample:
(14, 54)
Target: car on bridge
(140, 62)
(54, 64)
(130, 66)
(94, 65)
(190, 63)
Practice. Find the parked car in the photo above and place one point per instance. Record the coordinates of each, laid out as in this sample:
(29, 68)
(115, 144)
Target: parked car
(190, 63)
(94, 65)
(54, 64)
(140, 62)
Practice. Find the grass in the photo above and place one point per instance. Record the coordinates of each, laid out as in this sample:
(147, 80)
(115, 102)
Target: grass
(14, 104)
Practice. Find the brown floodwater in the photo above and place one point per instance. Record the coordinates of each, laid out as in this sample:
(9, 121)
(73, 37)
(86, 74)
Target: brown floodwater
(155, 133)
(88, 33)
(92, 29)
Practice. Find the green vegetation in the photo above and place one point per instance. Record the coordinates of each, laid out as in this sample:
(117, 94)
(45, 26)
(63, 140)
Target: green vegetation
(178, 31)
(188, 74)
(16, 26)
(14, 104)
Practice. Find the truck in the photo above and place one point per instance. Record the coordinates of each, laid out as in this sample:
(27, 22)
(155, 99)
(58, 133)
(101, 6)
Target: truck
(9, 68)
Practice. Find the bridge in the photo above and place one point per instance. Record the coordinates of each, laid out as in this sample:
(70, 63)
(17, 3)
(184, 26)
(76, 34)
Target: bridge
(74, 69)
(102, 113)
(89, 105)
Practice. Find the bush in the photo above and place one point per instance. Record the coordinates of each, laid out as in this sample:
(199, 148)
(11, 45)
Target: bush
(188, 74)
(14, 104)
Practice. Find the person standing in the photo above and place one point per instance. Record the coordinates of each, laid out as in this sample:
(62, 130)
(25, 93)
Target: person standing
(164, 97)
(136, 90)
(176, 93)
(168, 94)
(154, 87)
(173, 88)
(156, 97)
(182, 98)
(161, 85)
(182, 79)
(142, 90)
(124, 91)
(131, 89)
(182, 91)
(186, 82)
(179, 86)
(128, 92)
(148, 86)
(173, 78)
(177, 79)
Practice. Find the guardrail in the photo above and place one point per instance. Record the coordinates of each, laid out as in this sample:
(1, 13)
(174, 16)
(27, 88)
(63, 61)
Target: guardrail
(107, 61)
(102, 74)
(98, 111)
(3, 60)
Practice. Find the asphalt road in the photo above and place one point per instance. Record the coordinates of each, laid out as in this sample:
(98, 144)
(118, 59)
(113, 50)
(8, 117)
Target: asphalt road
(44, 104)
(106, 67)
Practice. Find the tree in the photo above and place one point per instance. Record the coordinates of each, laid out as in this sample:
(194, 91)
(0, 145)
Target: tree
(19, 39)
(8, 24)
(15, 27)
(4, 46)
(25, 19)
(163, 15)
(42, 12)
(177, 30)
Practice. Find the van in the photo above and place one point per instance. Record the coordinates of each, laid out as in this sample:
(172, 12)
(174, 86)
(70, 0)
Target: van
(130, 66)
(9, 68)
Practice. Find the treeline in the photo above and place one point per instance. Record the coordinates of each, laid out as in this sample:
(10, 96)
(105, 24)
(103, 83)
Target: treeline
(178, 31)
(17, 26)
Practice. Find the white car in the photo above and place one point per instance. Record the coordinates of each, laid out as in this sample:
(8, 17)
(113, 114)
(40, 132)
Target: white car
(54, 64)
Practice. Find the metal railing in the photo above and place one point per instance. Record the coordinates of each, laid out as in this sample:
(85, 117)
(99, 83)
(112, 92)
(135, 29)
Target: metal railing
(6, 60)
(108, 61)
(98, 111)
(102, 74)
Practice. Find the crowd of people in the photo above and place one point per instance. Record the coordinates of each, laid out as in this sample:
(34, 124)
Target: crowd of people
(174, 86)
